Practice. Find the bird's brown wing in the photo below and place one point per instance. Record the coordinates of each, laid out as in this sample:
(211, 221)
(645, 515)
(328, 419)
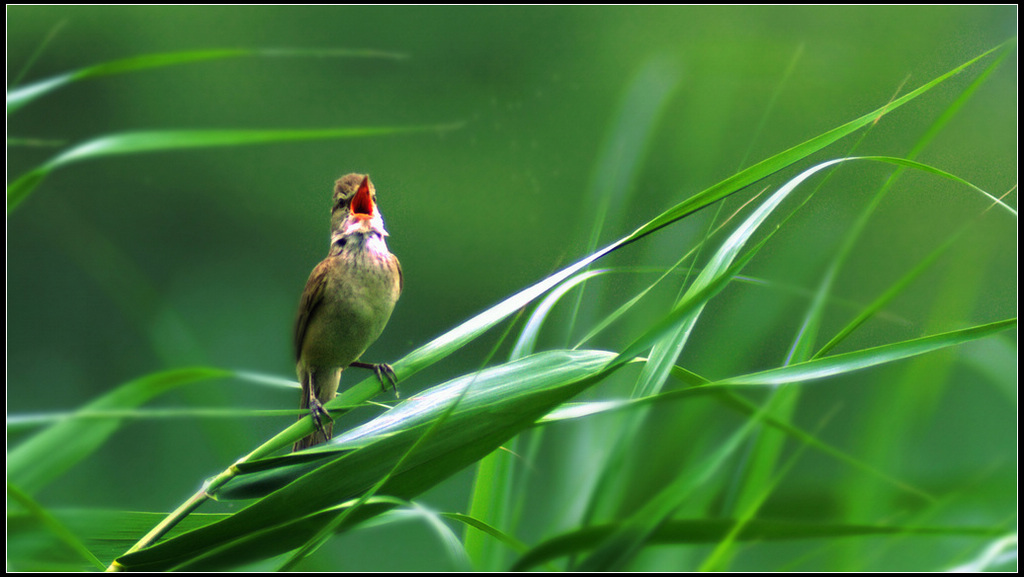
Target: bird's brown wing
(312, 296)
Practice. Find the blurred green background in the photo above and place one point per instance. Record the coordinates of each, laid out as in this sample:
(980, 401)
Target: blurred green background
(124, 266)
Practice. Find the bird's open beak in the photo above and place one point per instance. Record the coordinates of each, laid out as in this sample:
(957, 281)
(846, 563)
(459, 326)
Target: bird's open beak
(362, 202)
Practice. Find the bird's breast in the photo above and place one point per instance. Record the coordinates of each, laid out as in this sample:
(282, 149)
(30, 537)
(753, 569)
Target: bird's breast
(361, 290)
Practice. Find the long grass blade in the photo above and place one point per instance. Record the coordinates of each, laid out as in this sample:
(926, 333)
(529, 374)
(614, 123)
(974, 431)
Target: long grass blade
(48, 454)
(510, 541)
(23, 95)
(153, 141)
(527, 341)
(847, 362)
(938, 172)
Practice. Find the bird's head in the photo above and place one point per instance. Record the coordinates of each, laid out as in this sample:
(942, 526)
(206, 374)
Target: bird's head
(355, 208)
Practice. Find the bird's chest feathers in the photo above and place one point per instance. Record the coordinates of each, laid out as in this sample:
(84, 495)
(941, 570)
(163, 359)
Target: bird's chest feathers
(361, 288)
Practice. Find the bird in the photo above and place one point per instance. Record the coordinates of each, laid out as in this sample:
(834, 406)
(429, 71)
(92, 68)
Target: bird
(347, 302)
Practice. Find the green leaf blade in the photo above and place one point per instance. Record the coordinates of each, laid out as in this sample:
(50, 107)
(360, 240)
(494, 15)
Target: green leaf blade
(21, 96)
(45, 456)
(847, 362)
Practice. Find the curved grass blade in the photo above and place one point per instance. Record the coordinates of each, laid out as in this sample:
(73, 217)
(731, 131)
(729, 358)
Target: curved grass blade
(703, 531)
(730, 248)
(153, 141)
(711, 278)
(607, 321)
(723, 265)
(434, 520)
(527, 341)
(938, 172)
(498, 535)
(47, 455)
(835, 365)
(22, 95)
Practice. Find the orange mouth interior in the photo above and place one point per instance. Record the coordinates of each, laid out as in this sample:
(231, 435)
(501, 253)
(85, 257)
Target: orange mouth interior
(362, 202)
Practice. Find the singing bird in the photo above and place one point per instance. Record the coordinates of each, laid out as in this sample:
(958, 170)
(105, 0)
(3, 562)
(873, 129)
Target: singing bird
(347, 301)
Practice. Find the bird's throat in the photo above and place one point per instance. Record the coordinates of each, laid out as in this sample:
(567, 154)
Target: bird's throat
(361, 247)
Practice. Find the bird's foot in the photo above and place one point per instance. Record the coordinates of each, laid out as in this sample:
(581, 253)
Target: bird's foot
(317, 412)
(384, 373)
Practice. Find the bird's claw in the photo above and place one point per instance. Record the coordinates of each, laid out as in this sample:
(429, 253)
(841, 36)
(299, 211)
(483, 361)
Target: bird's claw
(385, 374)
(316, 412)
